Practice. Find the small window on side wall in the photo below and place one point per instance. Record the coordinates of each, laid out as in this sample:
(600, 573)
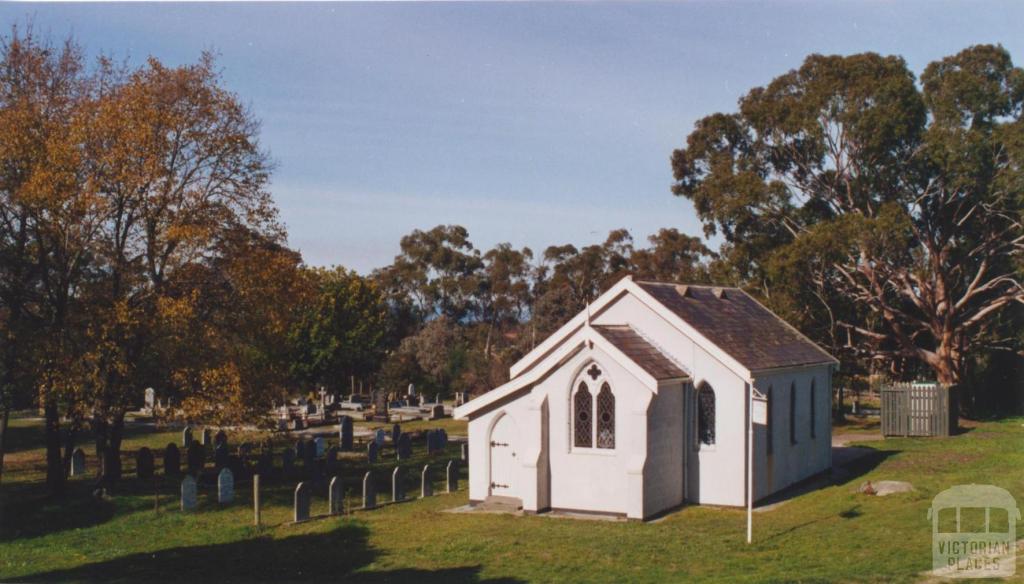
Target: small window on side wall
(792, 413)
(813, 417)
(705, 414)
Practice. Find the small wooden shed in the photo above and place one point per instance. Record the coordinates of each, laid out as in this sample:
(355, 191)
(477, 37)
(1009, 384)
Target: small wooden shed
(919, 409)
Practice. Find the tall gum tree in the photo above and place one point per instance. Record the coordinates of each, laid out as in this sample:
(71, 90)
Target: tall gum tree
(900, 197)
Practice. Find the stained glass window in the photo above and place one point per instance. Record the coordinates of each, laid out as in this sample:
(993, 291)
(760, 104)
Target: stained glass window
(706, 414)
(605, 418)
(792, 413)
(583, 404)
(812, 408)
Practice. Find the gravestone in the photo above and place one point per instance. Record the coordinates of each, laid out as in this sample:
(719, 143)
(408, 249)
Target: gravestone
(188, 494)
(150, 398)
(369, 492)
(452, 473)
(144, 463)
(437, 399)
(345, 433)
(225, 486)
(319, 446)
(245, 449)
(172, 460)
(371, 452)
(302, 503)
(78, 462)
(404, 447)
(444, 438)
(110, 465)
(309, 462)
(265, 463)
(426, 488)
(465, 451)
(397, 486)
(206, 437)
(220, 456)
(300, 448)
(437, 412)
(380, 437)
(186, 437)
(196, 457)
(411, 391)
(336, 494)
(288, 460)
(396, 433)
(220, 438)
(331, 457)
(432, 441)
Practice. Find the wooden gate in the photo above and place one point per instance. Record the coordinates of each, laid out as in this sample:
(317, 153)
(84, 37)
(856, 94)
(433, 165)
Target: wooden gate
(918, 409)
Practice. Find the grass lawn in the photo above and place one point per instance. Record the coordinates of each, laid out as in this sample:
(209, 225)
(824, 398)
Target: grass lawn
(830, 534)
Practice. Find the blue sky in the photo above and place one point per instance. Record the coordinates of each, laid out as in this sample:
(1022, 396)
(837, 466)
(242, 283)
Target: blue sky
(536, 124)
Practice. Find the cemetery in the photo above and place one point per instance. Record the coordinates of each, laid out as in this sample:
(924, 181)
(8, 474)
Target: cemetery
(384, 522)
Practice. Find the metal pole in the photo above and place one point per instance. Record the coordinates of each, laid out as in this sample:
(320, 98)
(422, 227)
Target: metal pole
(750, 461)
(256, 499)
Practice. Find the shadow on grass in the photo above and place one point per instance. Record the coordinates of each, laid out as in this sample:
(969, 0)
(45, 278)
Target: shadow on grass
(335, 556)
(26, 511)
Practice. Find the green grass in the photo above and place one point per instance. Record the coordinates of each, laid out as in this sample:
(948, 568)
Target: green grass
(830, 534)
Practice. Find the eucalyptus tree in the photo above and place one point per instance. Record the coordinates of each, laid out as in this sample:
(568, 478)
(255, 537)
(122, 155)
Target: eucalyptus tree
(902, 199)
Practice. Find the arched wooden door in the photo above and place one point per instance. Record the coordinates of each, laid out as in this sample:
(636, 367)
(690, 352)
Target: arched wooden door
(504, 461)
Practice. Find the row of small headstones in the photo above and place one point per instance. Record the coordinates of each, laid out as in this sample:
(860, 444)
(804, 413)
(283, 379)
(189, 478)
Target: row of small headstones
(437, 440)
(303, 495)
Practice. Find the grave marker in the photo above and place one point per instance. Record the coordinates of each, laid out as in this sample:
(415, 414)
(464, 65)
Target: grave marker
(404, 447)
(225, 486)
(172, 460)
(144, 463)
(188, 494)
(186, 437)
(302, 503)
(196, 457)
(345, 433)
(426, 488)
(77, 462)
(453, 476)
(371, 452)
(336, 496)
(369, 492)
(397, 486)
(319, 446)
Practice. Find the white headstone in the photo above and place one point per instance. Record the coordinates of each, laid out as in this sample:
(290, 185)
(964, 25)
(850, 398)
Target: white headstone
(412, 390)
(77, 462)
(188, 494)
(150, 398)
(225, 487)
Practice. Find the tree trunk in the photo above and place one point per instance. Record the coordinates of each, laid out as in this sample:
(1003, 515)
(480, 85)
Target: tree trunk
(54, 465)
(4, 420)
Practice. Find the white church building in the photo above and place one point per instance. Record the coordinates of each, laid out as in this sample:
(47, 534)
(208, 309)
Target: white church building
(642, 403)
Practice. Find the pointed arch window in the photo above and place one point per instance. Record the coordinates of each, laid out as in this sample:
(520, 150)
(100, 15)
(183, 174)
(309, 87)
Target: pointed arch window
(705, 414)
(812, 409)
(792, 413)
(583, 419)
(605, 417)
(770, 435)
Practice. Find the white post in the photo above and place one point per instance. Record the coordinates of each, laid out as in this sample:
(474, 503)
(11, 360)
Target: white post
(750, 461)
